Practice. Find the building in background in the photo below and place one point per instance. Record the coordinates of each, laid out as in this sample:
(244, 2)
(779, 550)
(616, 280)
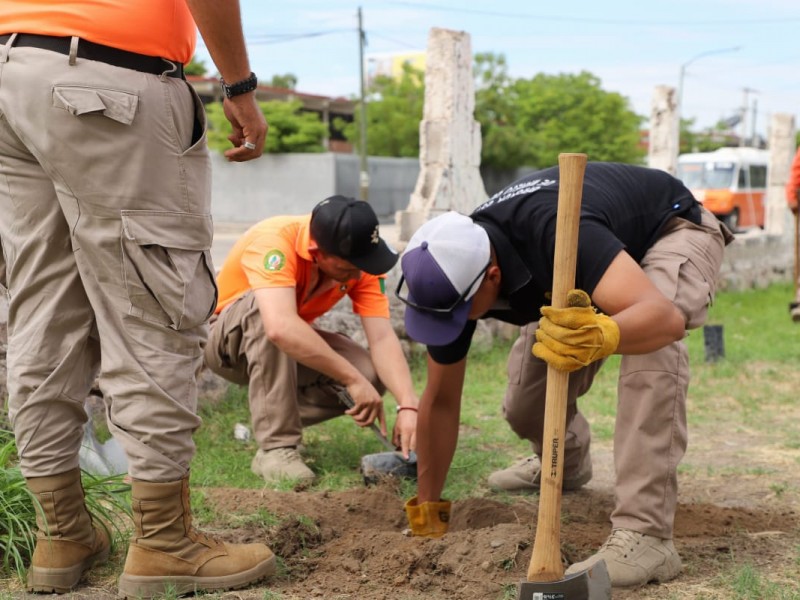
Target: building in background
(391, 65)
(327, 108)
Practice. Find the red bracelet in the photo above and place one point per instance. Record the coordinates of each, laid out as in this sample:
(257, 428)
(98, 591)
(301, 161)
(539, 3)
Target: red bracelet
(414, 408)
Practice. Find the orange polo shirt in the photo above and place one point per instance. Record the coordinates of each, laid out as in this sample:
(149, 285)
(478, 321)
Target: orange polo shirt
(162, 28)
(275, 253)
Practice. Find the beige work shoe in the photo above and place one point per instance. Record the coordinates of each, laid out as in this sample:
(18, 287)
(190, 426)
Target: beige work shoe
(634, 559)
(525, 475)
(281, 463)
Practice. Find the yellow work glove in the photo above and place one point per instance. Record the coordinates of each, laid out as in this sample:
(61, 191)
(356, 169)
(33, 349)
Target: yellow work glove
(571, 338)
(429, 519)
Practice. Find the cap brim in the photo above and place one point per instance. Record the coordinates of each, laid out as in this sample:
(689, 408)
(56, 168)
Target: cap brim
(436, 329)
(379, 261)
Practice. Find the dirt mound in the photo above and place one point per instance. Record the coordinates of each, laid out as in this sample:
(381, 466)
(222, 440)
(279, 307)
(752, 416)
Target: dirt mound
(351, 544)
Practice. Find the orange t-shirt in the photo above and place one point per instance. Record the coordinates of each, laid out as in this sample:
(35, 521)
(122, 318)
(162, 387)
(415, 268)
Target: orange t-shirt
(793, 185)
(275, 253)
(162, 28)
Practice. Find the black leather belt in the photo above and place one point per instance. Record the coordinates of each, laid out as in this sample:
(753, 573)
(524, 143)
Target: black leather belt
(91, 51)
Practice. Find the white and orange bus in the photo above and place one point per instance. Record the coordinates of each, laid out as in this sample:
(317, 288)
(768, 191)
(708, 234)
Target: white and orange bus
(730, 182)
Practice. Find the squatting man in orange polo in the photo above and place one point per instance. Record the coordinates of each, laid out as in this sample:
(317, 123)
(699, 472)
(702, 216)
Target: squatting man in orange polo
(284, 273)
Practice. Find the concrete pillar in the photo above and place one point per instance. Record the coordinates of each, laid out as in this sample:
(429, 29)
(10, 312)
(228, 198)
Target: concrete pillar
(450, 138)
(781, 144)
(664, 127)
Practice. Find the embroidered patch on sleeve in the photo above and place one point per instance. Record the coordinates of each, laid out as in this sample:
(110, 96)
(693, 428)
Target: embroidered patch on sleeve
(274, 260)
(383, 285)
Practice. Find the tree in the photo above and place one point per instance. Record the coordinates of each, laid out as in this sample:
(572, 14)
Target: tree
(503, 144)
(195, 67)
(523, 122)
(286, 81)
(533, 120)
(394, 111)
(290, 128)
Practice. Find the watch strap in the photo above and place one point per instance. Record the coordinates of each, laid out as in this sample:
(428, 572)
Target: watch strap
(239, 87)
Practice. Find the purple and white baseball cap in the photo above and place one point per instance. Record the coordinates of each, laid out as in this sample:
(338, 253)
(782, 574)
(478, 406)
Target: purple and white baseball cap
(443, 266)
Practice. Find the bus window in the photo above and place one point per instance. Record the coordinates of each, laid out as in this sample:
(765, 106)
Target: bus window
(758, 176)
(706, 175)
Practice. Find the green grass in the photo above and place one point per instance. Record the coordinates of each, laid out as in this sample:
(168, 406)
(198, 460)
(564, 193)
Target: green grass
(753, 389)
(758, 334)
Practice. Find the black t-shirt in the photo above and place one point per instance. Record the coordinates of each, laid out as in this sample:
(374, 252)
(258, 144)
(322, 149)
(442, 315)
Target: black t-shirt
(623, 207)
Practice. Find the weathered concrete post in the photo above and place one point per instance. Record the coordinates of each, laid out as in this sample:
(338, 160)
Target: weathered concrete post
(781, 144)
(664, 130)
(450, 138)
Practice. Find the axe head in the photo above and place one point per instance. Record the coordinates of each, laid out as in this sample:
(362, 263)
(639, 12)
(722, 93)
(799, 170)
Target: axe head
(591, 584)
(375, 467)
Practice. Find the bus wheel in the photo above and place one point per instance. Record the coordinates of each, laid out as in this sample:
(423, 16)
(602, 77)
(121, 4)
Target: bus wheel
(732, 219)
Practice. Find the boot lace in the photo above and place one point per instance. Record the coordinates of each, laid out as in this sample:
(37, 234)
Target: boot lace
(621, 541)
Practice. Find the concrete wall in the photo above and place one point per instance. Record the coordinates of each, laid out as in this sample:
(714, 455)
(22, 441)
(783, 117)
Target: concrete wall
(291, 184)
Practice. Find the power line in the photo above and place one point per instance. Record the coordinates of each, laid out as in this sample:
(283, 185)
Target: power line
(279, 38)
(591, 21)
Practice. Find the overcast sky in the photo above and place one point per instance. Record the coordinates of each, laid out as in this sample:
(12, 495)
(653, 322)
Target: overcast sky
(631, 45)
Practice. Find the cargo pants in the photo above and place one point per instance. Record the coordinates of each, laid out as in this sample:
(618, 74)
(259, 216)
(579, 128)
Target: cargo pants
(284, 395)
(105, 231)
(650, 434)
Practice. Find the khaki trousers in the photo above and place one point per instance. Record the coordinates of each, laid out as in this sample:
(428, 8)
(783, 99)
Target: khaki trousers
(650, 434)
(284, 396)
(105, 231)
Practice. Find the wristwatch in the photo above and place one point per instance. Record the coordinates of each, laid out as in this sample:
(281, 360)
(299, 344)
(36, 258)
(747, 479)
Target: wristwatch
(240, 87)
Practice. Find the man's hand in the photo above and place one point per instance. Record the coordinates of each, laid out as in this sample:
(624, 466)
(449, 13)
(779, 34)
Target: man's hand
(573, 337)
(429, 519)
(404, 435)
(368, 404)
(249, 127)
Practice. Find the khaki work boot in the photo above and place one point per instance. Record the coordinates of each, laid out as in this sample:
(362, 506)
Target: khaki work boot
(634, 559)
(525, 475)
(167, 555)
(68, 543)
(281, 463)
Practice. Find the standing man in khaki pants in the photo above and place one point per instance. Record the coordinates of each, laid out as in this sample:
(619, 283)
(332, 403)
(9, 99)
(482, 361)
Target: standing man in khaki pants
(106, 231)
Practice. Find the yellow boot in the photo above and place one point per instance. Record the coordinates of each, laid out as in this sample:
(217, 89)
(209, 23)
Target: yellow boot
(68, 543)
(167, 554)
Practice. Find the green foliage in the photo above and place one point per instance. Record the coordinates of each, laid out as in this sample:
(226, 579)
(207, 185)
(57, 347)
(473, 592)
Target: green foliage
(707, 140)
(394, 111)
(523, 122)
(504, 145)
(572, 113)
(287, 81)
(195, 67)
(290, 128)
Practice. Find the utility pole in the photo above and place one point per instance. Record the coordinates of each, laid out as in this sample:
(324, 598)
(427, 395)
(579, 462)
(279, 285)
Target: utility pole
(745, 107)
(363, 177)
(681, 77)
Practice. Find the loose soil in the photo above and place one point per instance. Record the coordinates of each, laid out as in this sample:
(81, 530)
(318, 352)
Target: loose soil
(350, 545)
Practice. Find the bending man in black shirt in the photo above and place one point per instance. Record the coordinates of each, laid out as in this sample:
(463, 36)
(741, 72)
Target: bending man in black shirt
(648, 257)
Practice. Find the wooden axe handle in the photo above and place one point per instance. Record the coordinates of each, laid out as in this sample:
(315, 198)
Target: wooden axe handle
(545, 562)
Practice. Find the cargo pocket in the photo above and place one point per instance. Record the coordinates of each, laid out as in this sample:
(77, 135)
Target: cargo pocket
(167, 267)
(117, 105)
(521, 353)
(679, 279)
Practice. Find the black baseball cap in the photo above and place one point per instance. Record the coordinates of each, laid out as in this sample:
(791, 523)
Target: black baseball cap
(348, 228)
